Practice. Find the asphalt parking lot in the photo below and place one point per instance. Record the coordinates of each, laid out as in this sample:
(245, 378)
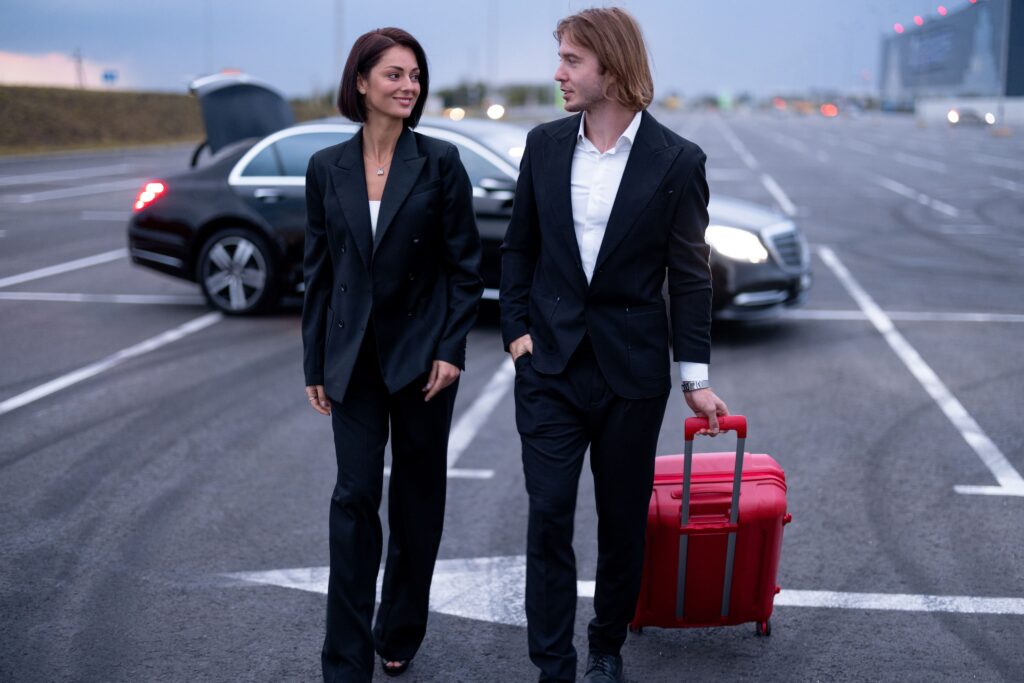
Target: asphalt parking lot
(164, 486)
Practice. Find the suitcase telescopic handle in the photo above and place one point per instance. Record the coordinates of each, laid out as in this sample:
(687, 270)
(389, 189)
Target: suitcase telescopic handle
(728, 423)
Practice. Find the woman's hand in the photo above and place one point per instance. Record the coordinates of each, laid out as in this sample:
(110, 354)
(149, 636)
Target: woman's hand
(317, 398)
(441, 375)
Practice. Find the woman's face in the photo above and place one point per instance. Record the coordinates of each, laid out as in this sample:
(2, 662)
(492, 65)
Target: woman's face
(393, 85)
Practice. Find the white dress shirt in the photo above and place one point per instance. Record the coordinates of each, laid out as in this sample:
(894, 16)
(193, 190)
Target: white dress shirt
(374, 211)
(595, 181)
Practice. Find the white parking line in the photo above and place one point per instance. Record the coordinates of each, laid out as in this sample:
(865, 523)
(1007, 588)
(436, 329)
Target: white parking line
(919, 197)
(492, 589)
(66, 297)
(470, 422)
(466, 427)
(109, 362)
(1006, 184)
(80, 191)
(904, 316)
(773, 188)
(65, 267)
(70, 174)
(1010, 481)
(736, 145)
(1001, 162)
(920, 162)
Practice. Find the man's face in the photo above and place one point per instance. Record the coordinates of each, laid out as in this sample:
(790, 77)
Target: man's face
(580, 76)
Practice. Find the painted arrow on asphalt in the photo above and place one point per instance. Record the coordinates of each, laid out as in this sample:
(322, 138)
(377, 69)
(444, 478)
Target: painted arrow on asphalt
(491, 589)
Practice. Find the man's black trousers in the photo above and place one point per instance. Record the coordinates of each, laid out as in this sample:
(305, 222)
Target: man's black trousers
(559, 417)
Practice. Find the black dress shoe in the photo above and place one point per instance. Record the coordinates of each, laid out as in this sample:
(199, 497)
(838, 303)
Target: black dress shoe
(602, 668)
(394, 670)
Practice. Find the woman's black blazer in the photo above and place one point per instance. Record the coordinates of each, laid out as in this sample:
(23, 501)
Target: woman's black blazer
(418, 278)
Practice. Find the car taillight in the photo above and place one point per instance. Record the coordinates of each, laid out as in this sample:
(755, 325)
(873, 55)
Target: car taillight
(149, 194)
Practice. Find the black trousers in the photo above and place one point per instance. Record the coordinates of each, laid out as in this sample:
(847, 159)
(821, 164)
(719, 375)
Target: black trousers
(416, 498)
(558, 417)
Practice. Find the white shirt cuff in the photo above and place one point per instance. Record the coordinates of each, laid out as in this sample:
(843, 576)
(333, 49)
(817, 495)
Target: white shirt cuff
(693, 372)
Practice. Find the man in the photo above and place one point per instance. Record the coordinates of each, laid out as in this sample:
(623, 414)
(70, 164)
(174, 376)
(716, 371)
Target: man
(607, 202)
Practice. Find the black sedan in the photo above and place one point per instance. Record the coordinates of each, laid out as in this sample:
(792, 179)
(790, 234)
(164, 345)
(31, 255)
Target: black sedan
(235, 223)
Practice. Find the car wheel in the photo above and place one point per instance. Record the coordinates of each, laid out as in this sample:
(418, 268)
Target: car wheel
(238, 272)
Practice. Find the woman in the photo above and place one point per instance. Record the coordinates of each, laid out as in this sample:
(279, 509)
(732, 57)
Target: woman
(392, 281)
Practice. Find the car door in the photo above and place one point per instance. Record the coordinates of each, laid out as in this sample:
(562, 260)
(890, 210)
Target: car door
(272, 182)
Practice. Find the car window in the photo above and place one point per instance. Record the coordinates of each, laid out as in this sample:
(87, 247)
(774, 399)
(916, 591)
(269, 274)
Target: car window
(296, 150)
(477, 167)
(263, 164)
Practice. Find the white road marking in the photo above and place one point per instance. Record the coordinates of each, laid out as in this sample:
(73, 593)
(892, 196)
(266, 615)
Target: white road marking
(727, 174)
(70, 297)
(1010, 481)
(904, 316)
(113, 216)
(920, 162)
(70, 174)
(469, 423)
(1006, 184)
(492, 589)
(109, 362)
(466, 427)
(919, 197)
(736, 145)
(82, 190)
(457, 473)
(3, 233)
(773, 188)
(859, 146)
(1001, 162)
(65, 267)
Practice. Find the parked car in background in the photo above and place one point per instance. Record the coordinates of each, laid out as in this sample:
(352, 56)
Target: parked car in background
(235, 223)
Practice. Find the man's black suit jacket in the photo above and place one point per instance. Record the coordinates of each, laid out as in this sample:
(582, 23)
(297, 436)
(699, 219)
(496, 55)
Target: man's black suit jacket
(656, 225)
(418, 277)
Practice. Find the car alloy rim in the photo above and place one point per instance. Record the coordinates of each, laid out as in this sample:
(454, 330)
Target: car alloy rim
(235, 273)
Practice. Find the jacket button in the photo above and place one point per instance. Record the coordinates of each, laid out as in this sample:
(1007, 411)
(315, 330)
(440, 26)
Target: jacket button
(412, 276)
(341, 323)
(343, 288)
(409, 314)
(343, 249)
(415, 240)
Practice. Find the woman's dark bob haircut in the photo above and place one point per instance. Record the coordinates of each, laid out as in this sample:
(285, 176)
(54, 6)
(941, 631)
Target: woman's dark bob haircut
(365, 54)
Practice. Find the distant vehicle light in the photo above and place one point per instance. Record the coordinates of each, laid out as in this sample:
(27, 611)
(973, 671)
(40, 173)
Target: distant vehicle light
(990, 118)
(953, 116)
(919, 21)
(516, 152)
(898, 28)
(942, 10)
(148, 194)
(456, 113)
(736, 244)
(779, 103)
(495, 112)
(829, 110)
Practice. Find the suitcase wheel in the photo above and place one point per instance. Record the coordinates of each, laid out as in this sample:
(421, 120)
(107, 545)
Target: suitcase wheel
(763, 628)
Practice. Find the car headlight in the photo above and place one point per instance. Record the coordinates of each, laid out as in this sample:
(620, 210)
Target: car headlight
(737, 244)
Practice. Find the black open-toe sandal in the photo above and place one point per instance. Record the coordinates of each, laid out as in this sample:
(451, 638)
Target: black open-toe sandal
(394, 670)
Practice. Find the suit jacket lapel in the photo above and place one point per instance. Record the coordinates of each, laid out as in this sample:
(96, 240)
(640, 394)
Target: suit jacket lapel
(649, 161)
(559, 171)
(349, 182)
(405, 169)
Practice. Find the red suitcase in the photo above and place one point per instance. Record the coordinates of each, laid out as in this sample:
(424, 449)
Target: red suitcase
(713, 548)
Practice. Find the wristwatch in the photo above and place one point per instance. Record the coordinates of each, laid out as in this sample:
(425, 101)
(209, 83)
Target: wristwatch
(694, 385)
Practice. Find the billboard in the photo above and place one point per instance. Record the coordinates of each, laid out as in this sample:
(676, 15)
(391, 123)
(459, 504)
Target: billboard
(959, 55)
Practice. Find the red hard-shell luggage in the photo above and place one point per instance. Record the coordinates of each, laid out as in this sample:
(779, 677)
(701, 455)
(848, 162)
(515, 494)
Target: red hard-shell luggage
(713, 543)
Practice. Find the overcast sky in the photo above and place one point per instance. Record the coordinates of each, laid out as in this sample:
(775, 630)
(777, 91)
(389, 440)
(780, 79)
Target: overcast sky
(698, 46)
